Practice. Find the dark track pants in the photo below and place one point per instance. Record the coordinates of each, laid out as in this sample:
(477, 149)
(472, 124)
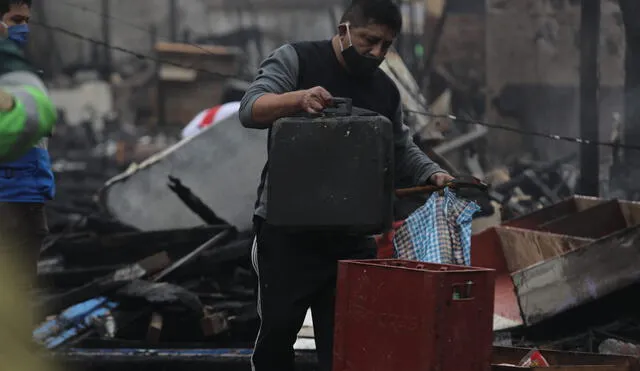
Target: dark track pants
(297, 271)
(23, 227)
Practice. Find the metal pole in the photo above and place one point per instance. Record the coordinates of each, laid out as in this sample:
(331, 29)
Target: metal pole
(589, 86)
(160, 96)
(173, 20)
(412, 63)
(435, 42)
(106, 37)
(630, 12)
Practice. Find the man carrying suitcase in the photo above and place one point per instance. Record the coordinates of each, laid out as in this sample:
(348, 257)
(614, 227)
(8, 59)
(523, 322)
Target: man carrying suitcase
(297, 271)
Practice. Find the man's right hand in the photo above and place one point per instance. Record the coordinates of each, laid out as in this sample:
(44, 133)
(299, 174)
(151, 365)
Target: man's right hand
(271, 107)
(315, 100)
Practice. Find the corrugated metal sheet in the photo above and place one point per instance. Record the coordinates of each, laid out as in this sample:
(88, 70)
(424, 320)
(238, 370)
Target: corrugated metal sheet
(221, 165)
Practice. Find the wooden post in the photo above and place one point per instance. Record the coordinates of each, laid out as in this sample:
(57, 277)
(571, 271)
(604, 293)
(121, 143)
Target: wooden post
(630, 12)
(155, 328)
(436, 36)
(173, 20)
(589, 87)
(160, 96)
(106, 37)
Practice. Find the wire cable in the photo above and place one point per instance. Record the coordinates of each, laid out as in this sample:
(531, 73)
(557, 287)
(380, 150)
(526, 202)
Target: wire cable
(128, 51)
(122, 21)
(424, 113)
(528, 132)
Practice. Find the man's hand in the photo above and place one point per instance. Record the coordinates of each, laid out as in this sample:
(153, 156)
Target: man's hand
(440, 179)
(315, 100)
(6, 101)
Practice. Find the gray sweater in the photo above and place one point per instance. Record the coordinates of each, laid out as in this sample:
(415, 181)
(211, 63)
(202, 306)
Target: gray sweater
(278, 74)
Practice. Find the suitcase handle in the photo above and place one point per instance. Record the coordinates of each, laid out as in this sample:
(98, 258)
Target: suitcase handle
(339, 107)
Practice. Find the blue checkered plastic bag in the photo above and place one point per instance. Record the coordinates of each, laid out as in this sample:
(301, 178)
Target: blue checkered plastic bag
(438, 232)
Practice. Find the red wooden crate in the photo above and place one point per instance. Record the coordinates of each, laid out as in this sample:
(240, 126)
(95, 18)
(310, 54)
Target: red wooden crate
(396, 315)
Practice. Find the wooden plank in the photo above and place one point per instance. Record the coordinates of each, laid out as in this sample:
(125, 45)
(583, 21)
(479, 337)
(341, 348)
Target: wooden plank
(486, 252)
(206, 50)
(631, 211)
(70, 278)
(579, 277)
(112, 281)
(523, 248)
(562, 368)
(595, 222)
(262, 5)
(155, 328)
(513, 355)
(123, 248)
(538, 217)
(215, 240)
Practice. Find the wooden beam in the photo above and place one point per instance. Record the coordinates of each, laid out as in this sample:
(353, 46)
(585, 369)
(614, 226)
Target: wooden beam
(630, 13)
(110, 282)
(589, 103)
(262, 5)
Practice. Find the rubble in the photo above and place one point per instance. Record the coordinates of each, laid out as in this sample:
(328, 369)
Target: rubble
(193, 288)
(149, 262)
(173, 269)
(123, 281)
(205, 293)
(102, 280)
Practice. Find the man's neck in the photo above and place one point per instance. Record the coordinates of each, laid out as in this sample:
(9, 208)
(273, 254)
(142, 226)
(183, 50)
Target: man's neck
(337, 49)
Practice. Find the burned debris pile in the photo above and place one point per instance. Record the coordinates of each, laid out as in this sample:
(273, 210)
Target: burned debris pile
(192, 285)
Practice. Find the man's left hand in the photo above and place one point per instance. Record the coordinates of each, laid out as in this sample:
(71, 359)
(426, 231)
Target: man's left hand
(440, 179)
(7, 101)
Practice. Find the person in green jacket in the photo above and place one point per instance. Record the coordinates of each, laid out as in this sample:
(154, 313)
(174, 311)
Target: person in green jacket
(27, 117)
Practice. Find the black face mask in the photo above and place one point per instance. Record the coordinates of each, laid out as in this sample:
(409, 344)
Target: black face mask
(358, 64)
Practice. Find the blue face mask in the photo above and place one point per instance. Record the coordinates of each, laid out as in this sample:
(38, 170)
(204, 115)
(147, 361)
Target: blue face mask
(19, 34)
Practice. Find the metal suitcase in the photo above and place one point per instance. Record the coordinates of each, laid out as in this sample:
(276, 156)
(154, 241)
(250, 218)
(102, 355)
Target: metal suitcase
(332, 171)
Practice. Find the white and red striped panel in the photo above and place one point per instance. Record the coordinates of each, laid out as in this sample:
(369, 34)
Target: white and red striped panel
(209, 117)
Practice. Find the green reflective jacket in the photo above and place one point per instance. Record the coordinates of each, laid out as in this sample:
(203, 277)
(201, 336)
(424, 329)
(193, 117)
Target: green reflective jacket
(34, 115)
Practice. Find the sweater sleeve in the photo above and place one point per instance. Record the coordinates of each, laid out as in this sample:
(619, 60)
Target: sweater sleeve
(32, 118)
(411, 161)
(278, 74)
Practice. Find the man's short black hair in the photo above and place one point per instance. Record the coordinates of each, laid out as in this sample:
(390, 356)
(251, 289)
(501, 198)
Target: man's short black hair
(364, 12)
(5, 5)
